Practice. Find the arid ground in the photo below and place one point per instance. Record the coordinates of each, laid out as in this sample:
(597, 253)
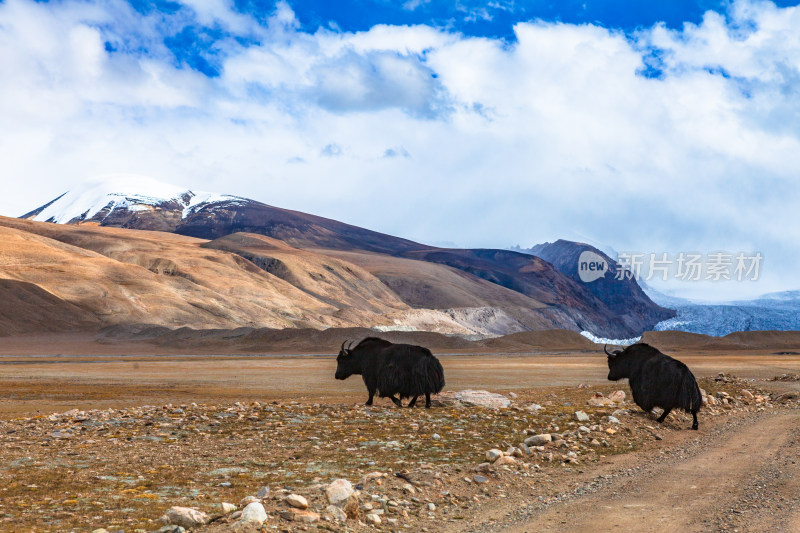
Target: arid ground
(113, 441)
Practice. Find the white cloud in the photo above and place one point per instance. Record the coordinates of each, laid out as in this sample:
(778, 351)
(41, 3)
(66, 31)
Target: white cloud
(557, 134)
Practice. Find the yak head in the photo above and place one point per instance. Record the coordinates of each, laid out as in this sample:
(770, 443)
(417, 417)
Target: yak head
(345, 362)
(617, 368)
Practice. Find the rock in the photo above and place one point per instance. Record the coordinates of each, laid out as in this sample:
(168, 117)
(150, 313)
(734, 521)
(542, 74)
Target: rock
(300, 515)
(408, 488)
(524, 447)
(618, 396)
(254, 512)
(100, 530)
(581, 416)
(493, 455)
(533, 407)
(373, 519)
(584, 429)
(263, 493)
(505, 460)
(227, 508)
(480, 479)
(620, 412)
(747, 394)
(480, 398)
(297, 501)
(166, 529)
(336, 513)
(512, 395)
(338, 492)
(612, 420)
(598, 400)
(539, 440)
(186, 517)
(247, 500)
(431, 507)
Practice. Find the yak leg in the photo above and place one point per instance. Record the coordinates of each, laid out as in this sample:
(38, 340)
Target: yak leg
(427, 400)
(694, 420)
(663, 416)
(396, 401)
(369, 400)
(413, 402)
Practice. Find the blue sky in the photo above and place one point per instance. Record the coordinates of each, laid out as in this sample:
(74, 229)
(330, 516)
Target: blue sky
(661, 127)
(193, 45)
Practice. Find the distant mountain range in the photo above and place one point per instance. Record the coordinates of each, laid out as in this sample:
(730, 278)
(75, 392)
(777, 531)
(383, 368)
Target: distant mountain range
(321, 272)
(771, 312)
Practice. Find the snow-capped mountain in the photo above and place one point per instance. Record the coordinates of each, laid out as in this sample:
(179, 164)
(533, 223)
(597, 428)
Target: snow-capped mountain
(96, 201)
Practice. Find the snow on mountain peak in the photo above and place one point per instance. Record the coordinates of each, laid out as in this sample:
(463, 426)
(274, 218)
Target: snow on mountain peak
(126, 191)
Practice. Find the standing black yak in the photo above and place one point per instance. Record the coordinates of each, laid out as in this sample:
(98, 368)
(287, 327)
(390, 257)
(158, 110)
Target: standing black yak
(392, 369)
(656, 380)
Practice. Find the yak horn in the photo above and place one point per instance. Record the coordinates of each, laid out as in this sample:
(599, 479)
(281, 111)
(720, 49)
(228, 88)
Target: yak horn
(343, 348)
(605, 349)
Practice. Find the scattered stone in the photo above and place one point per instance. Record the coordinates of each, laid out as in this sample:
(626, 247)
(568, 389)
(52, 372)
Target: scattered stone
(227, 508)
(479, 398)
(338, 492)
(581, 416)
(431, 507)
(436, 436)
(480, 479)
(300, 515)
(186, 517)
(297, 501)
(337, 513)
(254, 512)
(493, 455)
(598, 400)
(539, 440)
(263, 493)
(373, 519)
(618, 396)
(247, 500)
(167, 529)
(505, 460)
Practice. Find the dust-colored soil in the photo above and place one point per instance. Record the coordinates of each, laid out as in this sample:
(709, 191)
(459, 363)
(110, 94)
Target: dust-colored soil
(743, 475)
(111, 461)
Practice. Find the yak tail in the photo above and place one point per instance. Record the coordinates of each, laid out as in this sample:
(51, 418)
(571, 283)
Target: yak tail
(429, 375)
(690, 393)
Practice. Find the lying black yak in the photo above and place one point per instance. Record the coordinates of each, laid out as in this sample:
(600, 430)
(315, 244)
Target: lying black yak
(394, 371)
(656, 380)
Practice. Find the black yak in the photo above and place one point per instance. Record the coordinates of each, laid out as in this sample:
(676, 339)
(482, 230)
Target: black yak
(394, 371)
(656, 380)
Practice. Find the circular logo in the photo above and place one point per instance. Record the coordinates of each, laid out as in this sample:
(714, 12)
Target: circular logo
(591, 266)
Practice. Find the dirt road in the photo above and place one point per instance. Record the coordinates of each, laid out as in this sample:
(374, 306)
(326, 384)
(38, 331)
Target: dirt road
(741, 476)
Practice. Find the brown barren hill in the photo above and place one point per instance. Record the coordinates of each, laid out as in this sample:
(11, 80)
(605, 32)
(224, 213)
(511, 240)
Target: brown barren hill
(26, 308)
(331, 280)
(130, 276)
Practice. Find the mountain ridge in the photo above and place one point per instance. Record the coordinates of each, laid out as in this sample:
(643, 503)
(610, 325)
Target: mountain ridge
(549, 298)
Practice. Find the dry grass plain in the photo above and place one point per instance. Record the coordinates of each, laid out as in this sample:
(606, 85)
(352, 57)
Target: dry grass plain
(44, 384)
(125, 467)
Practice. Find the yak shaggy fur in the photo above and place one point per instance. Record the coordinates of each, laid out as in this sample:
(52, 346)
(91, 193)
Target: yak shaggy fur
(656, 380)
(394, 371)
